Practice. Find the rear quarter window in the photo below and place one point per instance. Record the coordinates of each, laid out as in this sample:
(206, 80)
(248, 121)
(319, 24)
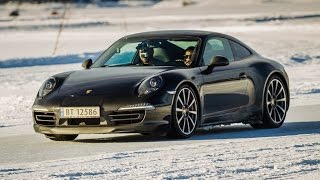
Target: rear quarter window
(217, 46)
(239, 51)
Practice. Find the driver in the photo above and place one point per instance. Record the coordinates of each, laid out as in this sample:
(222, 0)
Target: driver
(146, 56)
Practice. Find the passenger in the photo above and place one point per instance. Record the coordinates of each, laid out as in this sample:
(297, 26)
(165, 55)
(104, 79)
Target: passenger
(188, 56)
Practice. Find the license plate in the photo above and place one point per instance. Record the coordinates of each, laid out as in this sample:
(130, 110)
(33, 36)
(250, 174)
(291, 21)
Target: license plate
(80, 112)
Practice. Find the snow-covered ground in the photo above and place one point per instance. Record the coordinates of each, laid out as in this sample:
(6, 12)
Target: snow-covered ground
(284, 30)
(232, 152)
(258, 158)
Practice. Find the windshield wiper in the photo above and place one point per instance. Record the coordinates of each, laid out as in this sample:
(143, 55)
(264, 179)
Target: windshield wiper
(115, 65)
(104, 65)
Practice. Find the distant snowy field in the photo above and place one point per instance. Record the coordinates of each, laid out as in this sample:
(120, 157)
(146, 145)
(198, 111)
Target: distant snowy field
(283, 30)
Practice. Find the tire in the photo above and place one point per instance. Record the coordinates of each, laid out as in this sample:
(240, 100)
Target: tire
(185, 113)
(61, 137)
(275, 104)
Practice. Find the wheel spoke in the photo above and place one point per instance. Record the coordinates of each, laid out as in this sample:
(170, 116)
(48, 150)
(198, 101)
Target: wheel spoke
(184, 124)
(188, 97)
(281, 108)
(180, 100)
(193, 101)
(193, 123)
(268, 102)
(272, 90)
(179, 110)
(275, 90)
(193, 112)
(180, 120)
(269, 93)
(281, 89)
(280, 118)
(283, 99)
(270, 112)
(188, 125)
(274, 114)
(184, 96)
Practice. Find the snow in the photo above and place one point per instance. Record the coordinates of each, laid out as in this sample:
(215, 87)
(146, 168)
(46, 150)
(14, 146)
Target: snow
(287, 31)
(239, 155)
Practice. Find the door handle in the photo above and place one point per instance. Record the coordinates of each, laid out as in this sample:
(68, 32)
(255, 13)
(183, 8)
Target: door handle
(243, 76)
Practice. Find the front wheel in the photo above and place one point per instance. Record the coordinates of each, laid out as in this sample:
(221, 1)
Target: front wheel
(275, 104)
(185, 113)
(61, 137)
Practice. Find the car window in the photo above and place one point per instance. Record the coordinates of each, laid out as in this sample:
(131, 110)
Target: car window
(239, 52)
(147, 51)
(123, 55)
(183, 44)
(217, 46)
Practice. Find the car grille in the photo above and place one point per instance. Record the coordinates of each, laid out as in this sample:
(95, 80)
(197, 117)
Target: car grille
(127, 117)
(45, 118)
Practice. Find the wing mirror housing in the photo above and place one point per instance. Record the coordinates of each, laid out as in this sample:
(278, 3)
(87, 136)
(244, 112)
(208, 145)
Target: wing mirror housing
(87, 64)
(216, 61)
(219, 61)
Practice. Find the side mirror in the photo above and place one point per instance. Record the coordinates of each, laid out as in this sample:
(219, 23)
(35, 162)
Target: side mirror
(87, 63)
(219, 61)
(216, 61)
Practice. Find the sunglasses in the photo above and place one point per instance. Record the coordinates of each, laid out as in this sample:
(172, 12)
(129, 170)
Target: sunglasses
(187, 56)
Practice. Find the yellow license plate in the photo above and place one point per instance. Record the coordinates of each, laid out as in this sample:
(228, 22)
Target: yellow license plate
(80, 112)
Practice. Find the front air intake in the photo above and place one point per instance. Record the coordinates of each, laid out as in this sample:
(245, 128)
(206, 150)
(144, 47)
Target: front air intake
(45, 118)
(127, 117)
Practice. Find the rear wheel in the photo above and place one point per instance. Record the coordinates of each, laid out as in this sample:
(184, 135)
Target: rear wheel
(185, 113)
(62, 137)
(275, 104)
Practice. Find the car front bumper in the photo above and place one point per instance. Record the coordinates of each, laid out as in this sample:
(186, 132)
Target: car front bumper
(155, 119)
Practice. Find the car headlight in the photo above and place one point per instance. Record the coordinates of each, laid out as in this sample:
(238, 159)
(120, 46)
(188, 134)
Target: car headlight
(47, 87)
(150, 85)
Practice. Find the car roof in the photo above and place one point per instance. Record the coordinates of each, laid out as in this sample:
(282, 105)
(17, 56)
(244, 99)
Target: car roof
(193, 33)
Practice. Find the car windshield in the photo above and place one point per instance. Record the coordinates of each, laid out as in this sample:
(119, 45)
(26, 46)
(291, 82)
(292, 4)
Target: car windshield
(147, 52)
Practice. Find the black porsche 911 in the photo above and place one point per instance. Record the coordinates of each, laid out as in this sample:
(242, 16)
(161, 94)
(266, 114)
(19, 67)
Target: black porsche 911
(168, 82)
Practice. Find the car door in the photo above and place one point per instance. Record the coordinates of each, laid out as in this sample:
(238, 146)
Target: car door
(244, 56)
(224, 90)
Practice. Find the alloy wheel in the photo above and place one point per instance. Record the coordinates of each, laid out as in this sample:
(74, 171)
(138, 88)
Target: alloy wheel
(276, 101)
(186, 111)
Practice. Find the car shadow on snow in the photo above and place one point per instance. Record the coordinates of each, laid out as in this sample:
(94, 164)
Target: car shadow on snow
(246, 131)
(220, 132)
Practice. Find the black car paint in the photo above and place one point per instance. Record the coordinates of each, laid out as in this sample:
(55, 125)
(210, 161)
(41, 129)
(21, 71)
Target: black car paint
(114, 87)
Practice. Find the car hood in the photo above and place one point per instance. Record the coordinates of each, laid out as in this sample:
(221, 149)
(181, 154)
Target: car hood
(109, 80)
